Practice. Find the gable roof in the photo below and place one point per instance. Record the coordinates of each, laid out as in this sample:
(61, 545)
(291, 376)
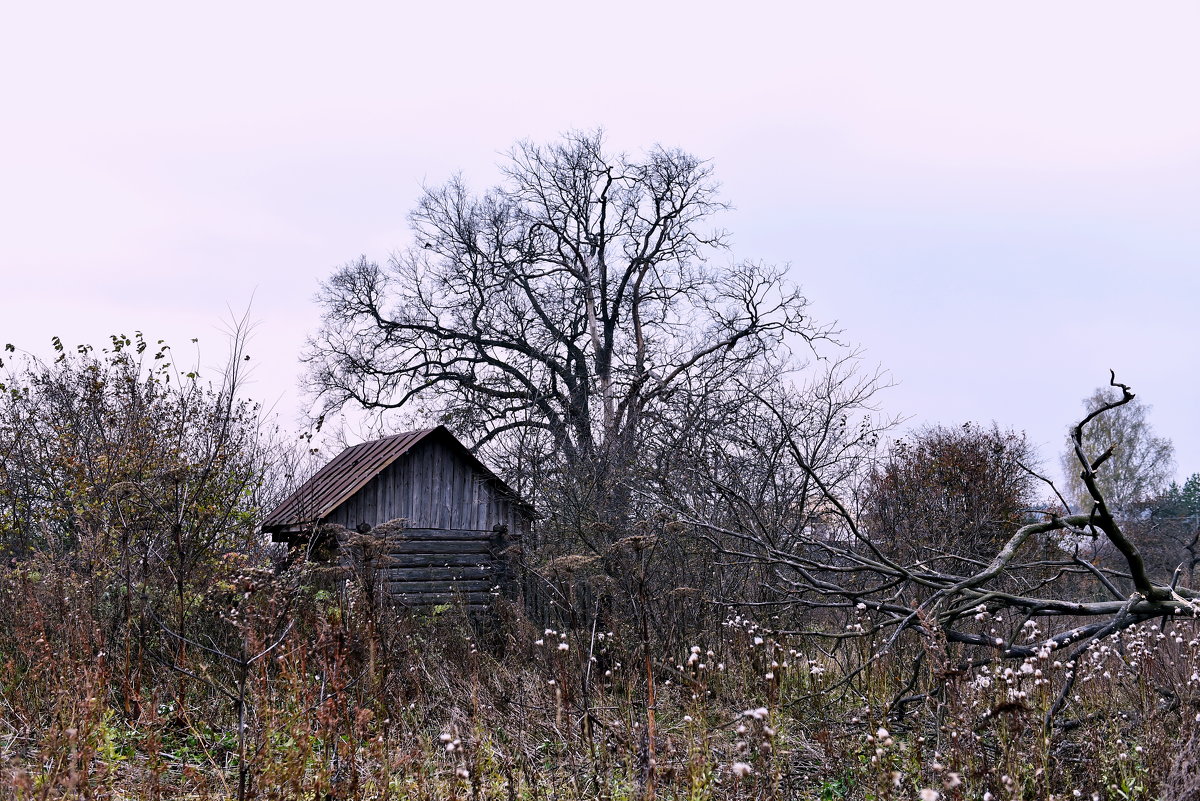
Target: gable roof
(353, 468)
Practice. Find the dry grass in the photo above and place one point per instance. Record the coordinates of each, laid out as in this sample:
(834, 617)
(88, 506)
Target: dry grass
(362, 703)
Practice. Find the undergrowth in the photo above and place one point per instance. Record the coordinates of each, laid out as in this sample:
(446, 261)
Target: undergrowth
(340, 698)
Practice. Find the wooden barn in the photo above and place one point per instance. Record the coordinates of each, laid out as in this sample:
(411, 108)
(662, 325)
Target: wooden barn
(448, 520)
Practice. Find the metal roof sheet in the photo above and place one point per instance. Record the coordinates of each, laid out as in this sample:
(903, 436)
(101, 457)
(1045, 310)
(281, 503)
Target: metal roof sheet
(350, 471)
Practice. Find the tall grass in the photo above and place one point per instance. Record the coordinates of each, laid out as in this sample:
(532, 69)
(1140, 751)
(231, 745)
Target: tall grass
(360, 701)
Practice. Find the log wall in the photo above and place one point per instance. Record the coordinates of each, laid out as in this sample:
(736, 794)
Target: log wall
(450, 550)
(425, 567)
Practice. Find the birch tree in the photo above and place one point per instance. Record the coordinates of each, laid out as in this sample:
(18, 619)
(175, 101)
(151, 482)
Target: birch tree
(1137, 463)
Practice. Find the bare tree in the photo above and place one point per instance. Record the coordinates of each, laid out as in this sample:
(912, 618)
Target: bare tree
(560, 319)
(763, 457)
(838, 571)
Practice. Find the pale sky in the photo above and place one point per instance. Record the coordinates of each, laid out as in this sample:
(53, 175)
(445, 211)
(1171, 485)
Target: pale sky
(998, 203)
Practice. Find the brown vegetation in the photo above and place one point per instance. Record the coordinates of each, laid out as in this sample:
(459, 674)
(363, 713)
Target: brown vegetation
(246, 679)
(358, 701)
(730, 593)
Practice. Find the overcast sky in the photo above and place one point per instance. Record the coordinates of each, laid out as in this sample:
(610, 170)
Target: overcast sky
(998, 203)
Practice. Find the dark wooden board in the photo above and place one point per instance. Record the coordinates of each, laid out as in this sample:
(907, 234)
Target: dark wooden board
(439, 546)
(450, 587)
(439, 559)
(443, 534)
(461, 572)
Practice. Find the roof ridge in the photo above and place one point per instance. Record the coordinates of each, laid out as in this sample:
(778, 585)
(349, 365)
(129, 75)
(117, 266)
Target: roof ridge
(413, 432)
